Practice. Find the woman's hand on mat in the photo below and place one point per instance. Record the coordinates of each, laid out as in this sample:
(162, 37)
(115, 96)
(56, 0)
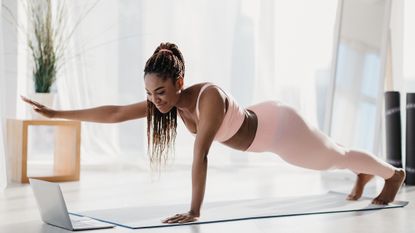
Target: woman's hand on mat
(39, 108)
(182, 218)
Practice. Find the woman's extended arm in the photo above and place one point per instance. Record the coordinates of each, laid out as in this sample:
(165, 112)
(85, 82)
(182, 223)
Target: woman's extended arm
(212, 105)
(102, 114)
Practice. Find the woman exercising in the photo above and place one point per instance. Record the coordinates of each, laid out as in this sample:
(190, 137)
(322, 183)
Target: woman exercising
(212, 114)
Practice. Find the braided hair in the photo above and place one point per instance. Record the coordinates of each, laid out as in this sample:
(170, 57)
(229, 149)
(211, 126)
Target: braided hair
(168, 63)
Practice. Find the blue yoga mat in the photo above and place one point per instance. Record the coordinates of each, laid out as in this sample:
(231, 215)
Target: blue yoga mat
(151, 216)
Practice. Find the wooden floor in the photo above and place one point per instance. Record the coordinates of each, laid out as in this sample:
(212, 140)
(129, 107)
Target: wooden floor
(127, 184)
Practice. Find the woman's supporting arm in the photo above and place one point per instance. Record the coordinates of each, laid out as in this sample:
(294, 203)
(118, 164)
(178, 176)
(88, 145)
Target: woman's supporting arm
(212, 105)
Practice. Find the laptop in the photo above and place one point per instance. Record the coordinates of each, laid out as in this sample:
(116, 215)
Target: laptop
(53, 208)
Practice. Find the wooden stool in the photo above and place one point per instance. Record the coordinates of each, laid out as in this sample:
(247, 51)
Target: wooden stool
(66, 164)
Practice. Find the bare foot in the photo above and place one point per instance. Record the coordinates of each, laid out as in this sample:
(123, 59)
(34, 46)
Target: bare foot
(390, 188)
(361, 181)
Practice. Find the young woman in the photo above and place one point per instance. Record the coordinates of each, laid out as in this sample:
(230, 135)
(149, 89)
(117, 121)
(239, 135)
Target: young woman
(211, 114)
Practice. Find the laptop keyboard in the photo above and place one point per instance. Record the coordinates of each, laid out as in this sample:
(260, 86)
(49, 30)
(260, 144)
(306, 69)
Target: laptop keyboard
(79, 222)
(75, 218)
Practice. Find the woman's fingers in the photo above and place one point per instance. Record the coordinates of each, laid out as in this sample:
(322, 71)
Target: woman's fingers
(39, 108)
(180, 218)
(187, 219)
(31, 102)
(174, 219)
(27, 100)
(171, 219)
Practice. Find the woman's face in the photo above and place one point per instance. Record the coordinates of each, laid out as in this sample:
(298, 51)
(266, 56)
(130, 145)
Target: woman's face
(163, 93)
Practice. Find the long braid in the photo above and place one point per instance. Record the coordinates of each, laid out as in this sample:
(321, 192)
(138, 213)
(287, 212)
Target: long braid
(168, 63)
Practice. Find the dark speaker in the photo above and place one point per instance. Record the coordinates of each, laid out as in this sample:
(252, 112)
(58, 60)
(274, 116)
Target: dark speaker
(393, 128)
(410, 139)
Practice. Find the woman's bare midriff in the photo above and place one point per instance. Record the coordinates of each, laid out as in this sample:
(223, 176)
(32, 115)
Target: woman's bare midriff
(246, 133)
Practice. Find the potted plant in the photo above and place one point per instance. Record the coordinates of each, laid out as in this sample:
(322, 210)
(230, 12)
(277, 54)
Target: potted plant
(48, 34)
(44, 33)
(42, 45)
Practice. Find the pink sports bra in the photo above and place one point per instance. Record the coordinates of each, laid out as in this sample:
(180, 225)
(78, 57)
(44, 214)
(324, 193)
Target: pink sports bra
(234, 117)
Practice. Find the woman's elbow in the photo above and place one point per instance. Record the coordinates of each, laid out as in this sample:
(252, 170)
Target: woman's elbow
(116, 116)
(202, 155)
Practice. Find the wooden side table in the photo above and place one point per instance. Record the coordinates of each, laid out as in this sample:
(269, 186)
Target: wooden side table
(66, 164)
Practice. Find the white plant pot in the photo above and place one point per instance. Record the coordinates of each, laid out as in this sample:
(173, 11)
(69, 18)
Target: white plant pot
(46, 99)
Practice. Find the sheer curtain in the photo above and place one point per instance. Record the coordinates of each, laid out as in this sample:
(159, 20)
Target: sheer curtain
(88, 77)
(3, 171)
(257, 50)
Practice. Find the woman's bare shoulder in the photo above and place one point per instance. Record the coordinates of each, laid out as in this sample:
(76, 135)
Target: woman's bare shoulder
(213, 96)
(197, 86)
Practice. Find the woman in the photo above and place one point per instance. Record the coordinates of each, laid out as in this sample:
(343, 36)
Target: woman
(211, 114)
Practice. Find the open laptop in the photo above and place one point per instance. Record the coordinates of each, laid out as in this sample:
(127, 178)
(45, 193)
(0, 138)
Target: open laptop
(53, 208)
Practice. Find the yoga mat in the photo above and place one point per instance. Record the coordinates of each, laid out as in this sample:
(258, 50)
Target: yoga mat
(393, 128)
(410, 139)
(151, 216)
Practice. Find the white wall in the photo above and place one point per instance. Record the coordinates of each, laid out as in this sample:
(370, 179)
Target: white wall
(397, 23)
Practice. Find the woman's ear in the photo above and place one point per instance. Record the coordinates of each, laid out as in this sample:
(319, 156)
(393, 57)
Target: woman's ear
(179, 83)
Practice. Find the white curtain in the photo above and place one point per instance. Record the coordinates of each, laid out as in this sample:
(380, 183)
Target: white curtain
(88, 77)
(3, 171)
(258, 50)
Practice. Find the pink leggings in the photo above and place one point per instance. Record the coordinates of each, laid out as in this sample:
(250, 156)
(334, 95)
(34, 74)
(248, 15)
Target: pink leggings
(281, 130)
